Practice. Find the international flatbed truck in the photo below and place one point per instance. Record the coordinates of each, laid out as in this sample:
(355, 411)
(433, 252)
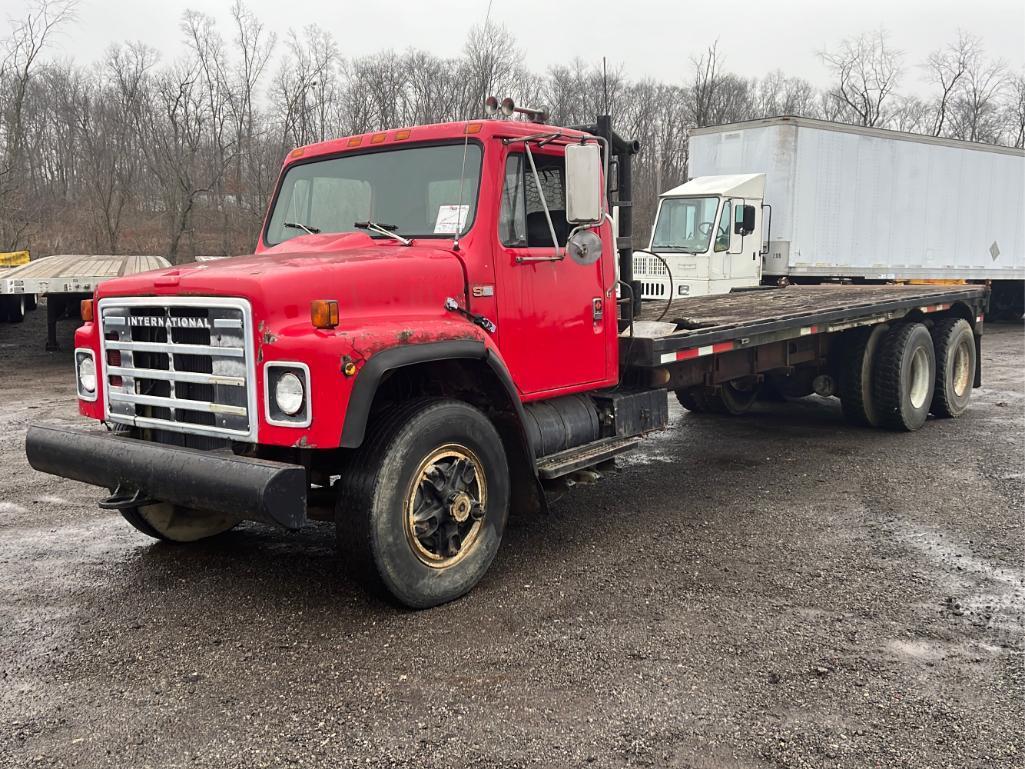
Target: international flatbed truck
(432, 333)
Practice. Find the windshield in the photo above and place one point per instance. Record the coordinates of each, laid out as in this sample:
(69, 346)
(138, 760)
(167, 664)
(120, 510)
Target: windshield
(685, 224)
(416, 190)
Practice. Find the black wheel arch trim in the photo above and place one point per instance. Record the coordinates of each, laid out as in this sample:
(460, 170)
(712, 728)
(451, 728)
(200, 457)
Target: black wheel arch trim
(370, 375)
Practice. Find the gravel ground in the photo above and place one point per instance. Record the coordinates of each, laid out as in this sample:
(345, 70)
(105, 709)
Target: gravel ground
(772, 590)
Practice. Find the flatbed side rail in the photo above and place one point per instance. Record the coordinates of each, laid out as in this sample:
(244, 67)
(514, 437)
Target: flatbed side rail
(692, 343)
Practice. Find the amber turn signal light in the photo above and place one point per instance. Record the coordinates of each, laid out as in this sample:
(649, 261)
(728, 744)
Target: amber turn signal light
(85, 310)
(324, 313)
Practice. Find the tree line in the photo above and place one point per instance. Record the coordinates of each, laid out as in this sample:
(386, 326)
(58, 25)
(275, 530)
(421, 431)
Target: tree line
(134, 154)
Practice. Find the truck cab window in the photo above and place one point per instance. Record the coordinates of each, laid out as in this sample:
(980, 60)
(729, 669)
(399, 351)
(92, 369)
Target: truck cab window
(522, 222)
(422, 191)
(722, 237)
(685, 225)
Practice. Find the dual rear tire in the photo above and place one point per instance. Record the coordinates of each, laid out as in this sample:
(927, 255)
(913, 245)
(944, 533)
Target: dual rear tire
(895, 377)
(730, 398)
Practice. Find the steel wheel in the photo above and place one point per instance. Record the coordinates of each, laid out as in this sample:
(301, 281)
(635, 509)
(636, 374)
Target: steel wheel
(921, 378)
(964, 369)
(445, 506)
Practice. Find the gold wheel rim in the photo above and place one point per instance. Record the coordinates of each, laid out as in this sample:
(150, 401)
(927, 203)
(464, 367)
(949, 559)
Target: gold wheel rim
(445, 506)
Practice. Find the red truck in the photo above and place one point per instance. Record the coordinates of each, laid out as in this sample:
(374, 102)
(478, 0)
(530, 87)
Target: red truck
(433, 333)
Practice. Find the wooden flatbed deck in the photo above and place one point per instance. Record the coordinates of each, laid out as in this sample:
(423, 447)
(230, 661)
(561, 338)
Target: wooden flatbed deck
(750, 318)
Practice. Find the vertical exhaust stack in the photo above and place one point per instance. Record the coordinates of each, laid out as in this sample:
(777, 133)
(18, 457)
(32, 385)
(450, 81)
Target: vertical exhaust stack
(623, 150)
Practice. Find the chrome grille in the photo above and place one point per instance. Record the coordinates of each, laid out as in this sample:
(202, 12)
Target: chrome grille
(182, 364)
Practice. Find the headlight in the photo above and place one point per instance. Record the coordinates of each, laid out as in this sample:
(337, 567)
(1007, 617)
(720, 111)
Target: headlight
(288, 394)
(86, 366)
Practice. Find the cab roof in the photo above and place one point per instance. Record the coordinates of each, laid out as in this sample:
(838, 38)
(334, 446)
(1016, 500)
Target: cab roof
(731, 185)
(472, 129)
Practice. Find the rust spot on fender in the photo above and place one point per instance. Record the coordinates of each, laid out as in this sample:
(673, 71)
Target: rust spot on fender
(405, 335)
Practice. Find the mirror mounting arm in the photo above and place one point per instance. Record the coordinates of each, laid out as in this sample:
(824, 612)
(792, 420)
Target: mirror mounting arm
(544, 203)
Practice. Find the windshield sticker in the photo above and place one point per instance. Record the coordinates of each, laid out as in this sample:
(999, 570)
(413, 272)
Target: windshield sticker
(451, 219)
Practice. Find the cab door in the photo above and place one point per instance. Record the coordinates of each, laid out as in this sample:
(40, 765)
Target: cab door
(744, 252)
(553, 312)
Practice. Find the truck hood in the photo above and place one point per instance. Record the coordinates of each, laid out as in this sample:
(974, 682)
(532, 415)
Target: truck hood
(365, 276)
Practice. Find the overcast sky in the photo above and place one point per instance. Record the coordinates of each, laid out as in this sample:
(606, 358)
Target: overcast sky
(648, 38)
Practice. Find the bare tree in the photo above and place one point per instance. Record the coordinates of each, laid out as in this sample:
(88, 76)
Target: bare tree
(1015, 111)
(866, 71)
(133, 155)
(17, 63)
(251, 174)
(174, 142)
(111, 128)
(306, 85)
(976, 108)
(947, 66)
(492, 60)
(780, 94)
(910, 114)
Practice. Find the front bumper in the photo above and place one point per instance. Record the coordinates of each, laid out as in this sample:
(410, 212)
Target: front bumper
(255, 489)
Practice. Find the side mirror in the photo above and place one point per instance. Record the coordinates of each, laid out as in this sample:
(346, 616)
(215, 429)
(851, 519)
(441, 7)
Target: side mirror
(746, 223)
(583, 184)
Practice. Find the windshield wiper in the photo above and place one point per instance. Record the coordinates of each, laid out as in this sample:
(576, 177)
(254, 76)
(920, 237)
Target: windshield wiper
(301, 226)
(388, 230)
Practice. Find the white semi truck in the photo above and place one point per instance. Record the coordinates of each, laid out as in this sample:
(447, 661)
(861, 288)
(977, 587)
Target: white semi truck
(831, 202)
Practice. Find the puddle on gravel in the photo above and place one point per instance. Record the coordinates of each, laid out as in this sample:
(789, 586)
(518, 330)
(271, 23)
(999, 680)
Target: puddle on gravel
(969, 588)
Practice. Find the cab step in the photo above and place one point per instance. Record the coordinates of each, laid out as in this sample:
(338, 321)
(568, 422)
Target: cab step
(569, 461)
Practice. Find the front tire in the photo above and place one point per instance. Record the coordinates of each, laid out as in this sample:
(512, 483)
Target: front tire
(955, 367)
(904, 377)
(423, 506)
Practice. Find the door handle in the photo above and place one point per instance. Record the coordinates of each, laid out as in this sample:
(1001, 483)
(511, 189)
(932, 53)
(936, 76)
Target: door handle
(531, 259)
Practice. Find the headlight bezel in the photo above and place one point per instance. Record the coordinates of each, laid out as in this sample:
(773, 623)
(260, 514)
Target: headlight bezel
(86, 355)
(273, 373)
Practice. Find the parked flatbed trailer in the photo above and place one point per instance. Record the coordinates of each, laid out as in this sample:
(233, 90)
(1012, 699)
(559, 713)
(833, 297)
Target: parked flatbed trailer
(66, 279)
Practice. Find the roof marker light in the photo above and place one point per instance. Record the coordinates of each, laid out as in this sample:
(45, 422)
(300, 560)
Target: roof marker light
(378, 138)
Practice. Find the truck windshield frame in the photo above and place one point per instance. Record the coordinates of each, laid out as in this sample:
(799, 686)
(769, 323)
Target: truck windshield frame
(678, 226)
(413, 186)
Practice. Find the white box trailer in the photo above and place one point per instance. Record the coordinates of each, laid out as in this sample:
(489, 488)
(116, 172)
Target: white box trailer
(866, 204)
